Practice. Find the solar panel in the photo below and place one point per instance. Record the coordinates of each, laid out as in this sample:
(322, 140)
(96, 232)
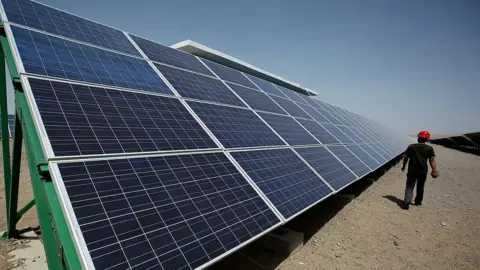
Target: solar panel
(197, 86)
(51, 20)
(163, 54)
(257, 100)
(349, 159)
(173, 212)
(235, 127)
(380, 151)
(319, 104)
(284, 178)
(329, 116)
(350, 134)
(319, 132)
(162, 159)
(388, 149)
(229, 74)
(51, 56)
(359, 131)
(291, 107)
(84, 120)
(289, 129)
(335, 131)
(339, 118)
(315, 114)
(1, 131)
(347, 118)
(331, 170)
(265, 86)
(309, 100)
(291, 94)
(369, 150)
(11, 124)
(364, 156)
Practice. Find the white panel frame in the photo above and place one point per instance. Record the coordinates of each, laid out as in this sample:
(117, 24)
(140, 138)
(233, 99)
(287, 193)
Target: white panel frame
(71, 219)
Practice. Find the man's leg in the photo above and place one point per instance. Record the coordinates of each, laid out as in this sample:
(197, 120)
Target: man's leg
(420, 189)
(409, 190)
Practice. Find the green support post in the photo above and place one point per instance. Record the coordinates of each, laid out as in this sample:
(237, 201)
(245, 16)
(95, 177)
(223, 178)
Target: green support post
(59, 247)
(12, 204)
(25, 209)
(5, 136)
(58, 244)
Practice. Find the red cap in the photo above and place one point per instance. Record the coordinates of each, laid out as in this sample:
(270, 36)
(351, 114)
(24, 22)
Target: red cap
(424, 134)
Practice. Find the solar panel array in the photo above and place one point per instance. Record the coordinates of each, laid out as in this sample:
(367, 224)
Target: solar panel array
(11, 126)
(173, 161)
(469, 142)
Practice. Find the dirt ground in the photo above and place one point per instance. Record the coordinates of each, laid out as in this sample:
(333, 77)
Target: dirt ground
(29, 219)
(371, 231)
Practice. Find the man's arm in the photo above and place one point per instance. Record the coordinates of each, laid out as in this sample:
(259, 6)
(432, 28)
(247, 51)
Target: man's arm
(433, 164)
(405, 161)
(405, 158)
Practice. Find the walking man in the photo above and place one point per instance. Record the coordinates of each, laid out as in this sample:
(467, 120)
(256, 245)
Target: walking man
(416, 156)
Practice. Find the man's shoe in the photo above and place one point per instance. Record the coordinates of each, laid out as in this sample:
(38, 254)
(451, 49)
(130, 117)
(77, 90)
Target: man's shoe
(405, 205)
(418, 204)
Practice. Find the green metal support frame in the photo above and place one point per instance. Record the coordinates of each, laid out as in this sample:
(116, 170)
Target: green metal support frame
(58, 243)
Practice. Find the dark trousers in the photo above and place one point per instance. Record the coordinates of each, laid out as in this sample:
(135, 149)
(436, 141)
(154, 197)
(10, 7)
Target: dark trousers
(411, 181)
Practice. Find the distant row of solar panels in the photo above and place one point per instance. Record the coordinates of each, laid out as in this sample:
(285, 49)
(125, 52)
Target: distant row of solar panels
(11, 126)
(164, 159)
(467, 140)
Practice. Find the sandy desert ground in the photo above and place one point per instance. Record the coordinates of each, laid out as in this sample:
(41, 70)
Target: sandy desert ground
(368, 232)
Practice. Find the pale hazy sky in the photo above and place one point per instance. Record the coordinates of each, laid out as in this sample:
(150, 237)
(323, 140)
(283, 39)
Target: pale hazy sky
(407, 64)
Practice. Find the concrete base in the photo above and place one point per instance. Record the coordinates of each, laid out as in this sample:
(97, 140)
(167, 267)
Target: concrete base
(283, 241)
(28, 253)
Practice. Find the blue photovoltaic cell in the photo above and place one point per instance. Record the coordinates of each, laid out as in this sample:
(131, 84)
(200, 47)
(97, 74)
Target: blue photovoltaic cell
(318, 131)
(170, 56)
(388, 149)
(364, 156)
(258, 100)
(200, 87)
(340, 120)
(350, 134)
(360, 133)
(372, 153)
(329, 116)
(173, 212)
(367, 136)
(266, 86)
(235, 127)
(335, 131)
(315, 114)
(319, 104)
(332, 170)
(350, 160)
(346, 119)
(291, 94)
(310, 100)
(51, 20)
(380, 151)
(291, 107)
(289, 129)
(229, 74)
(50, 56)
(284, 178)
(11, 124)
(83, 120)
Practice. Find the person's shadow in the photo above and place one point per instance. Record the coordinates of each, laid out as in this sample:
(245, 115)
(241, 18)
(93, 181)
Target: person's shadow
(394, 199)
